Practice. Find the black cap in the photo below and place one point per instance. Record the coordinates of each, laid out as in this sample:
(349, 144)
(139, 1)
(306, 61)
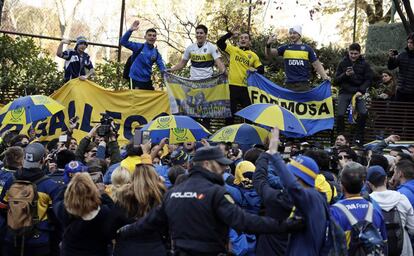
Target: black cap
(211, 153)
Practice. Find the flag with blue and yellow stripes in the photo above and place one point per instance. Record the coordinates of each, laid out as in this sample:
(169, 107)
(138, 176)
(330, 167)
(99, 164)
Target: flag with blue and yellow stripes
(199, 98)
(314, 108)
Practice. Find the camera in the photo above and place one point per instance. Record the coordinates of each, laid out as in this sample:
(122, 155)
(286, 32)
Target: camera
(107, 126)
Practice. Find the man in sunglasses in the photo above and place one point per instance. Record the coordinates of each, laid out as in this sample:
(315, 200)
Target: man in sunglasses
(77, 61)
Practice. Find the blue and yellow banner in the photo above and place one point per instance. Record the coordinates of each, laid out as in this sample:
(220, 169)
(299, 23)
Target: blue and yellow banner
(199, 98)
(314, 108)
(129, 109)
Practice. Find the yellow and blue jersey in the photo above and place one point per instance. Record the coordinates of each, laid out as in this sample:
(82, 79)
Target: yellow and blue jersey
(240, 61)
(297, 59)
(358, 206)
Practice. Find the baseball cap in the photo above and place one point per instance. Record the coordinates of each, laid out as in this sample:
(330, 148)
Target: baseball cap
(145, 159)
(211, 153)
(304, 168)
(375, 173)
(33, 154)
(81, 39)
(179, 157)
(71, 168)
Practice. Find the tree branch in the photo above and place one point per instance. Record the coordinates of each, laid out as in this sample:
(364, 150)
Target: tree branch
(410, 14)
(400, 12)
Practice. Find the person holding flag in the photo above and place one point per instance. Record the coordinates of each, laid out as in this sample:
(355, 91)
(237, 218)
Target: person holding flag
(203, 55)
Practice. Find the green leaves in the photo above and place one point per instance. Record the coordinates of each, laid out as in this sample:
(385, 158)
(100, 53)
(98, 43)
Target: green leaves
(24, 67)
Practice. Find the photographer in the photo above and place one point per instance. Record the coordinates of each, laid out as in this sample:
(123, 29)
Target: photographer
(87, 148)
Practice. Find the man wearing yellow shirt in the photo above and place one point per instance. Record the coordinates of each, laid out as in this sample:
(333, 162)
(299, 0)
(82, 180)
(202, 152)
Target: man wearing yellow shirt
(241, 60)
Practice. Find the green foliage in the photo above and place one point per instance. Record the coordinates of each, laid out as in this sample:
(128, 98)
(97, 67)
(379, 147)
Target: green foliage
(26, 69)
(109, 75)
(382, 37)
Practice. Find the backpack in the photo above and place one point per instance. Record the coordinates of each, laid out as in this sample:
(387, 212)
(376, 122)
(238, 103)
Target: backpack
(22, 214)
(365, 237)
(335, 239)
(395, 231)
(131, 59)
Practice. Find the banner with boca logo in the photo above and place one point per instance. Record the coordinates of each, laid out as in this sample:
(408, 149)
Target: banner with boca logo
(199, 98)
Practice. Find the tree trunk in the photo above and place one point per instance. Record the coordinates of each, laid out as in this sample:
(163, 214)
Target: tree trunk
(406, 21)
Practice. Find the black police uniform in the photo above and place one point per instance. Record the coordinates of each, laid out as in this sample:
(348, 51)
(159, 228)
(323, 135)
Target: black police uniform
(198, 213)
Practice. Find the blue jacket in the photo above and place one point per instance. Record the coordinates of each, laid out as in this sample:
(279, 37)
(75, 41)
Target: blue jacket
(277, 204)
(407, 189)
(141, 68)
(107, 177)
(309, 204)
(162, 170)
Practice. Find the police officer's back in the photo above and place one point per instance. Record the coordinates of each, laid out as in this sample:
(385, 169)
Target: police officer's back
(199, 211)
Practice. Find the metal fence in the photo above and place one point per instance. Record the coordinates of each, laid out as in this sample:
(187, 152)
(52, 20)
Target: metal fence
(50, 21)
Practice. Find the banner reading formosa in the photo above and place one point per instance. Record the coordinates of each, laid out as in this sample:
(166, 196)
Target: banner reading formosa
(199, 98)
(314, 108)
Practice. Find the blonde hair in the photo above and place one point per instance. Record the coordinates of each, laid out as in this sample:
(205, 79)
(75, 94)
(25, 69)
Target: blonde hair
(148, 188)
(124, 196)
(119, 177)
(81, 196)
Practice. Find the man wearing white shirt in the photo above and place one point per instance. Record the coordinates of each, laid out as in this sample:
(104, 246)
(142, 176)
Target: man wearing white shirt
(203, 55)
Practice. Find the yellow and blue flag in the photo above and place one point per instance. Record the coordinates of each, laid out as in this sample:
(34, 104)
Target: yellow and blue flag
(199, 98)
(313, 108)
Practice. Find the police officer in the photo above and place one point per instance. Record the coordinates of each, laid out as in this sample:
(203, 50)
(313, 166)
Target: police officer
(199, 211)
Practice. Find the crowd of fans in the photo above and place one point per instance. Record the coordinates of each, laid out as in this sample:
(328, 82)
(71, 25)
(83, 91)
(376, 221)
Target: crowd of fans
(97, 198)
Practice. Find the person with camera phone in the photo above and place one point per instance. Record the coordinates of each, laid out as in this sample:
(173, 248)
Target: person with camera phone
(405, 64)
(353, 76)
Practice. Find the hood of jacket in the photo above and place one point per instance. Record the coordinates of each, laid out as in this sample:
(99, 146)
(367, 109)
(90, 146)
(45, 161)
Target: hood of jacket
(31, 174)
(408, 185)
(387, 199)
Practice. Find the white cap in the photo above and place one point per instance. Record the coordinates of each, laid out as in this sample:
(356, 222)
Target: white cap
(297, 29)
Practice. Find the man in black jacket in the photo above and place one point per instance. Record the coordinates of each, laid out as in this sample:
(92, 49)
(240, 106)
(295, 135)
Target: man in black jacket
(405, 64)
(354, 76)
(199, 211)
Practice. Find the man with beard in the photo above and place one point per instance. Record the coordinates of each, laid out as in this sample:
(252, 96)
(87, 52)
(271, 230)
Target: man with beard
(242, 59)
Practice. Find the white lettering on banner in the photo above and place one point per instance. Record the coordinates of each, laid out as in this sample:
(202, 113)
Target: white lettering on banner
(356, 206)
(184, 195)
(296, 63)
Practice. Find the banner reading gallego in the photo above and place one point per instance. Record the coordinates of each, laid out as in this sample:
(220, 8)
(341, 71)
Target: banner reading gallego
(314, 108)
(85, 99)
